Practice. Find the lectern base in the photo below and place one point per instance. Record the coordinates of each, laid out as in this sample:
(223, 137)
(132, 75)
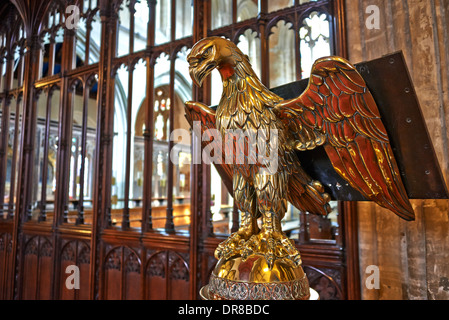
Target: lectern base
(205, 294)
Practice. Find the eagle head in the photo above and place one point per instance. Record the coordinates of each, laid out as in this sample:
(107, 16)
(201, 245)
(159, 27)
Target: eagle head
(210, 53)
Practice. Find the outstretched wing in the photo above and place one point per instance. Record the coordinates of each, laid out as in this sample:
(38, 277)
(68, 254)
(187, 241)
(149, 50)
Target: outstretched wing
(338, 111)
(202, 119)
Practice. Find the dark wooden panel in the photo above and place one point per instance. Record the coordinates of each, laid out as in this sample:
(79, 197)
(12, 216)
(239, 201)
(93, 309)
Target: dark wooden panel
(3, 258)
(37, 269)
(84, 291)
(132, 280)
(29, 277)
(112, 280)
(392, 88)
(112, 284)
(6, 273)
(74, 253)
(156, 273)
(326, 281)
(167, 276)
(178, 278)
(155, 282)
(65, 293)
(45, 277)
(30, 270)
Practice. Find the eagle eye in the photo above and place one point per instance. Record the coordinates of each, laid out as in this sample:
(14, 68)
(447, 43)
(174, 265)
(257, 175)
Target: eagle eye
(207, 52)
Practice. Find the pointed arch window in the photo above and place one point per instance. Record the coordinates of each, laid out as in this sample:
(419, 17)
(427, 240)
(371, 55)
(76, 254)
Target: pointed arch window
(12, 49)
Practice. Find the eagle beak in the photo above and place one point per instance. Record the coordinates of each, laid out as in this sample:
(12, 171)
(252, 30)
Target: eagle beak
(198, 81)
(199, 70)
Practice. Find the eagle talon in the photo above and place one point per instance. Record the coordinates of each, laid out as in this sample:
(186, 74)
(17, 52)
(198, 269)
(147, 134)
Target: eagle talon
(270, 260)
(219, 252)
(289, 250)
(271, 250)
(246, 252)
(250, 247)
(230, 246)
(224, 252)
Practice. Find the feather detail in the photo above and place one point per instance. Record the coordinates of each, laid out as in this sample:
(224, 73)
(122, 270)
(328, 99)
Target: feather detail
(338, 110)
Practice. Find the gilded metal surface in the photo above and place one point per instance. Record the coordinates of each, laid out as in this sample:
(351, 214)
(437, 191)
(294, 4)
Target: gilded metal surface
(255, 269)
(205, 294)
(223, 289)
(252, 279)
(336, 111)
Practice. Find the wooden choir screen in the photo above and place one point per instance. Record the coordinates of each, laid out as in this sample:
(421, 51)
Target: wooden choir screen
(89, 121)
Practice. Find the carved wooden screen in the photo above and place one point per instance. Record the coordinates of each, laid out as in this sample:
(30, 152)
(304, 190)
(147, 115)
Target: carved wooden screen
(147, 190)
(11, 81)
(12, 41)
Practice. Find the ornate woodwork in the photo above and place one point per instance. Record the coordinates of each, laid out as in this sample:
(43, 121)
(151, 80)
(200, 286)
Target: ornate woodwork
(137, 258)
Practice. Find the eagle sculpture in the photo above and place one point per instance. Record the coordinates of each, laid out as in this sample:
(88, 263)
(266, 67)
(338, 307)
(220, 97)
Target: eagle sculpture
(336, 111)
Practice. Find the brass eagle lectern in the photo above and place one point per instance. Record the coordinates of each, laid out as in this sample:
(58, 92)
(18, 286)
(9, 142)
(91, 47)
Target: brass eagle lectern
(337, 112)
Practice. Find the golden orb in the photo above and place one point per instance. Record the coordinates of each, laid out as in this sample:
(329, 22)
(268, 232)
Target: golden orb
(252, 279)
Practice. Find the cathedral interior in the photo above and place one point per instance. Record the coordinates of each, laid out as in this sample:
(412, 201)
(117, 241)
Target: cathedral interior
(91, 92)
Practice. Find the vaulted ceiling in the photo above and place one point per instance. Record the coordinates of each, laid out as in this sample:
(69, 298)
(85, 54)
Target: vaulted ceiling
(32, 12)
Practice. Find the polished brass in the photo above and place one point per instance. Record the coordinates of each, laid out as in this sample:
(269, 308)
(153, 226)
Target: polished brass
(205, 294)
(336, 111)
(253, 279)
(255, 269)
